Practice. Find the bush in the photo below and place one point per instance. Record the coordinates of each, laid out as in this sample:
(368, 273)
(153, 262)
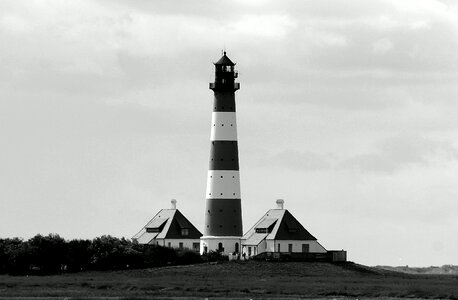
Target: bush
(51, 254)
(48, 253)
(214, 256)
(187, 257)
(79, 255)
(15, 256)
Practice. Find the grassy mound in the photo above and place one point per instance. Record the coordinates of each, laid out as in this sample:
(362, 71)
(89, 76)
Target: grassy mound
(237, 279)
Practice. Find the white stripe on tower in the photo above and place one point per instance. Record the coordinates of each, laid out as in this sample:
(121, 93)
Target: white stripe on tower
(224, 126)
(223, 184)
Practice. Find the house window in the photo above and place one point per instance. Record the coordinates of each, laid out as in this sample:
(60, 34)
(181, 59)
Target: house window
(290, 247)
(196, 246)
(249, 251)
(170, 245)
(236, 247)
(305, 248)
(278, 248)
(184, 231)
(261, 230)
(180, 245)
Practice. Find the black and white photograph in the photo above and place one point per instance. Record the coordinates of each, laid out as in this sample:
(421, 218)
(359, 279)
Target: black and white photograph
(233, 149)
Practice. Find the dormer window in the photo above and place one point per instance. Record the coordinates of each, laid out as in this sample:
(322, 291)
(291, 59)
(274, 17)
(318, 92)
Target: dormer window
(153, 229)
(266, 226)
(184, 231)
(261, 230)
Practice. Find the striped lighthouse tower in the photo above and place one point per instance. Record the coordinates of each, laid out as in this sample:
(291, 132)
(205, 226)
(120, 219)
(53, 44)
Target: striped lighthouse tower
(223, 214)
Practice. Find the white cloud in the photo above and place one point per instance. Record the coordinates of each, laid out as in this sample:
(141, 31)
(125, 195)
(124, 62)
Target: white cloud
(14, 24)
(264, 26)
(382, 46)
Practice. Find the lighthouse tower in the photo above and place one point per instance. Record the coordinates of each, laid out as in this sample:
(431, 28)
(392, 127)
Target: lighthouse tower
(223, 213)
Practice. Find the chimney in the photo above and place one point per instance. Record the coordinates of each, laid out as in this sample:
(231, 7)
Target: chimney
(280, 203)
(174, 203)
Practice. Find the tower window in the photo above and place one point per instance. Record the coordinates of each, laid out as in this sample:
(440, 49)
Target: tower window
(221, 193)
(221, 176)
(233, 193)
(222, 124)
(220, 210)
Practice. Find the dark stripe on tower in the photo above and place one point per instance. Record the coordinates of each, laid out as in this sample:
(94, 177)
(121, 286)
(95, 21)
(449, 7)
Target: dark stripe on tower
(224, 102)
(223, 217)
(224, 155)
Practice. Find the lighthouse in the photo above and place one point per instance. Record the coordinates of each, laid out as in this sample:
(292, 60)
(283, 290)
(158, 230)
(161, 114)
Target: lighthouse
(223, 212)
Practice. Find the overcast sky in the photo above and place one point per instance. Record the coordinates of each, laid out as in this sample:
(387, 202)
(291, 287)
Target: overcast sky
(347, 110)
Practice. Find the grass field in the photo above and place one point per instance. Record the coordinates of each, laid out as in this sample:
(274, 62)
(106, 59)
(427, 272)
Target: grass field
(236, 280)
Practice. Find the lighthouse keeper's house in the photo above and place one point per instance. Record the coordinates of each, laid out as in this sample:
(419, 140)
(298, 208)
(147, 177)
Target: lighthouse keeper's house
(278, 231)
(170, 228)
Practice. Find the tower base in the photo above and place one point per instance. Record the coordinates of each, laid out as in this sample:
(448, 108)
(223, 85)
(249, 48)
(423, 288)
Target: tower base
(223, 244)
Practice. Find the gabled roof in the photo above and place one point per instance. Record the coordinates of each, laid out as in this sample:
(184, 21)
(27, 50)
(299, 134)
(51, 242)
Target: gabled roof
(167, 223)
(291, 229)
(145, 237)
(266, 222)
(224, 60)
(174, 231)
(157, 222)
(281, 225)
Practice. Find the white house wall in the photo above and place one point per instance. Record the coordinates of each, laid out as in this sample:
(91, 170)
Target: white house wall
(175, 243)
(314, 246)
(272, 246)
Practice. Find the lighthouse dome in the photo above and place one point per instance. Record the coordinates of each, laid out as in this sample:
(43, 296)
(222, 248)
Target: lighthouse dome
(224, 60)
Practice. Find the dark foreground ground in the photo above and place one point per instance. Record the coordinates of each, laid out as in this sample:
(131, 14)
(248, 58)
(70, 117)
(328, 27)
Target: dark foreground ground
(236, 280)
